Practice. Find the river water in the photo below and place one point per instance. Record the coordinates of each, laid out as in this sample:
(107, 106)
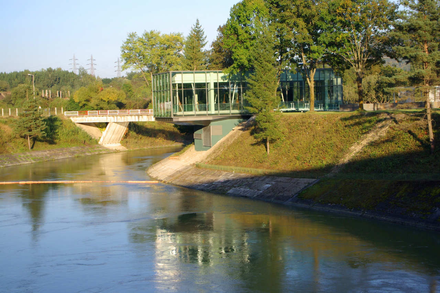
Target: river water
(160, 238)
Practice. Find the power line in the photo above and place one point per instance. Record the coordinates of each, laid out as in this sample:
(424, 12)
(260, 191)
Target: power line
(92, 68)
(74, 64)
(118, 69)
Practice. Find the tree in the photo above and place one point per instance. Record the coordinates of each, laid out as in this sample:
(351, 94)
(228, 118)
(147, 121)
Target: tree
(170, 52)
(20, 94)
(241, 31)
(263, 83)
(356, 35)
(128, 89)
(141, 53)
(30, 124)
(4, 86)
(84, 95)
(152, 53)
(219, 57)
(300, 25)
(194, 55)
(418, 34)
(96, 97)
(109, 98)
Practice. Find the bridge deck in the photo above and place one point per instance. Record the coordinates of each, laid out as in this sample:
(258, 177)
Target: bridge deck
(103, 116)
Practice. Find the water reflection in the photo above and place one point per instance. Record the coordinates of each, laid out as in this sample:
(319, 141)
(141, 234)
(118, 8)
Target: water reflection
(119, 237)
(268, 249)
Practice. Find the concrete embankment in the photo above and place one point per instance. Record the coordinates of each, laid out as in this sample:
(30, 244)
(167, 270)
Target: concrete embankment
(281, 190)
(181, 170)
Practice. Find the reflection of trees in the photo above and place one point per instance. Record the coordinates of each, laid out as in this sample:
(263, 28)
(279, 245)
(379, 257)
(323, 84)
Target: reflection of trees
(192, 233)
(33, 198)
(261, 250)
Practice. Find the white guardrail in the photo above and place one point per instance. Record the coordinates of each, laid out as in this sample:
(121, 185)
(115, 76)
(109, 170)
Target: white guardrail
(109, 112)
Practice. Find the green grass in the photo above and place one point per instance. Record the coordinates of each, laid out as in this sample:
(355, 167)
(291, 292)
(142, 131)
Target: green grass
(63, 133)
(403, 198)
(403, 153)
(312, 144)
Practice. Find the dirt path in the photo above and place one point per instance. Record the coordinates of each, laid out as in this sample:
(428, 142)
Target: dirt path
(380, 130)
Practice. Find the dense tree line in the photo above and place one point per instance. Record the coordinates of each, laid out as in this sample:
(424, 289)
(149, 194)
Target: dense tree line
(82, 91)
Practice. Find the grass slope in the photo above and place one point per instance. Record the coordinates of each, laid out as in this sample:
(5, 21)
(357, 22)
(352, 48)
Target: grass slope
(312, 144)
(64, 133)
(395, 175)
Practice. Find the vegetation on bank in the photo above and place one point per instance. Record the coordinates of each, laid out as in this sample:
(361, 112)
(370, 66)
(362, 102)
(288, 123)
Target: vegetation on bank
(61, 133)
(402, 198)
(153, 134)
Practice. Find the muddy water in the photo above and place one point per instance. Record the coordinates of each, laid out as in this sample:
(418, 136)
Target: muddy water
(161, 238)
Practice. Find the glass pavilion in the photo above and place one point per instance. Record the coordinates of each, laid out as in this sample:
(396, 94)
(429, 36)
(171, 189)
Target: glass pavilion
(214, 93)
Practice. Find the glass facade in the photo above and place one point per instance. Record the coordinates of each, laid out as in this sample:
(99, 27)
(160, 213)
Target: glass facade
(295, 93)
(202, 93)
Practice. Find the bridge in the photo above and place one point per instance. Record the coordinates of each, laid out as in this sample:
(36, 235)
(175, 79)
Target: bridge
(117, 123)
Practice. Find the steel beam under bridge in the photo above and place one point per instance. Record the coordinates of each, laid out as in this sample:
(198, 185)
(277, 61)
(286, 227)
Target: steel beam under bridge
(117, 123)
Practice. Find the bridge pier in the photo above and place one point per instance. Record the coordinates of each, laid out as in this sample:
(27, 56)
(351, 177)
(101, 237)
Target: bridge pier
(114, 133)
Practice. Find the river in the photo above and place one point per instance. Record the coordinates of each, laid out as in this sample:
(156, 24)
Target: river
(121, 237)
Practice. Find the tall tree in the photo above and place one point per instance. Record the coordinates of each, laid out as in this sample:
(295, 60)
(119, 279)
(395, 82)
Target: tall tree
(418, 33)
(141, 53)
(152, 53)
(356, 35)
(170, 53)
(30, 124)
(241, 31)
(300, 25)
(219, 57)
(194, 54)
(263, 83)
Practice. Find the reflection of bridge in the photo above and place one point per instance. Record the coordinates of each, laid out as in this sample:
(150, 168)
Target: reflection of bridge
(117, 123)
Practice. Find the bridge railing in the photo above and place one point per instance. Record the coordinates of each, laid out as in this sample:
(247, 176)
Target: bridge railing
(109, 112)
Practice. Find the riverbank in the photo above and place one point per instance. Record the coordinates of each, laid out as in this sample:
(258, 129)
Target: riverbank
(65, 140)
(8, 160)
(389, 187)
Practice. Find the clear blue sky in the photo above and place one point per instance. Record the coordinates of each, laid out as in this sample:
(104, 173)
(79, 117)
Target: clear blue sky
(36, 35)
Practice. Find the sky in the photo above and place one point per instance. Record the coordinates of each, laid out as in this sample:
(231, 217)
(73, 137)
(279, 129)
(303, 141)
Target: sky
(40, 34)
